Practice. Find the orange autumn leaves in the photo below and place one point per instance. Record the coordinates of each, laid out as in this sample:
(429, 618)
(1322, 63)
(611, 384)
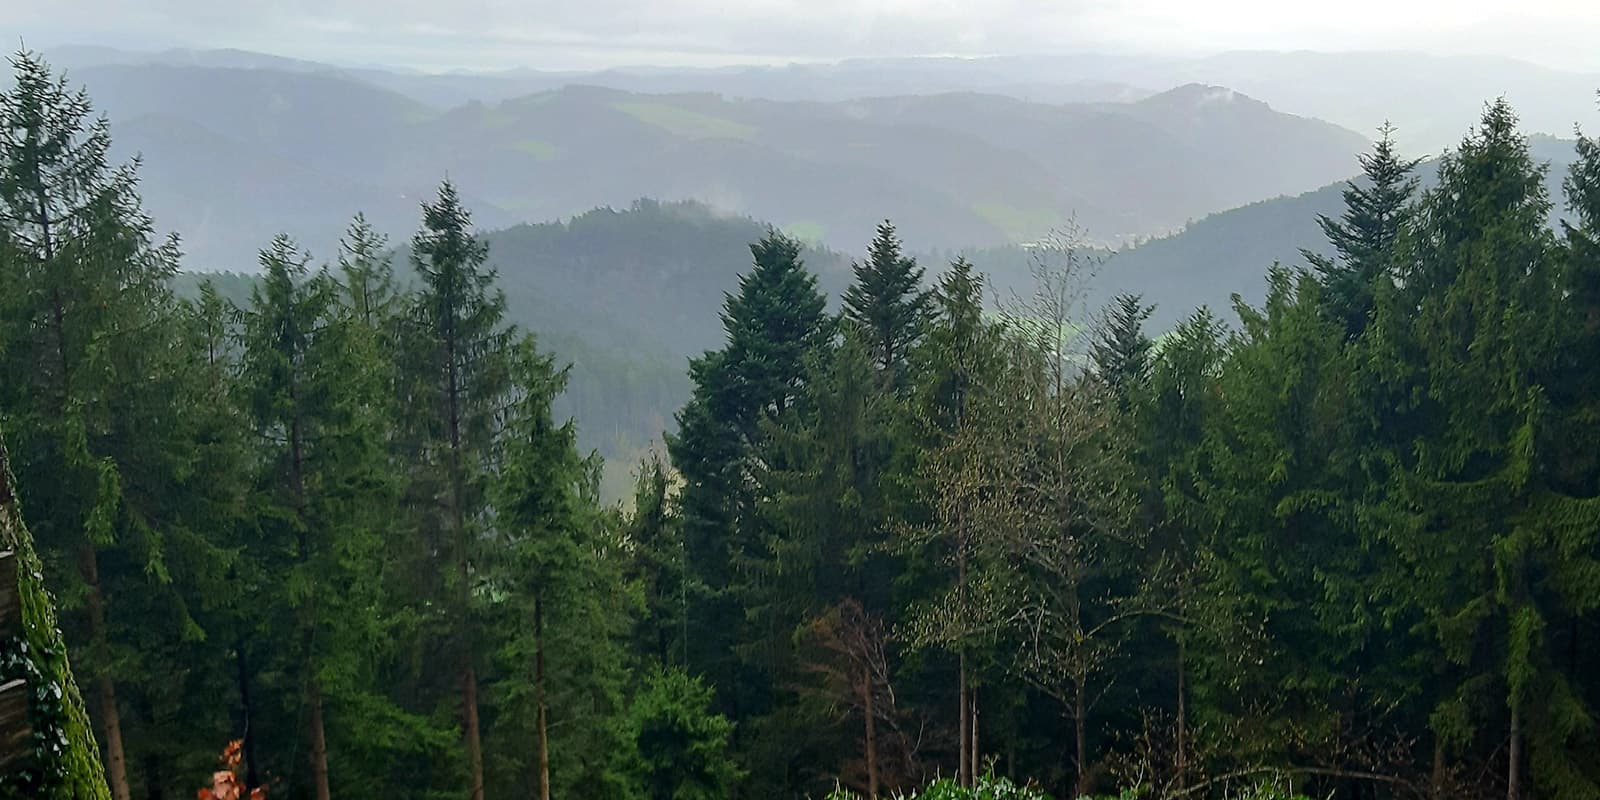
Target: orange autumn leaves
(225, 783)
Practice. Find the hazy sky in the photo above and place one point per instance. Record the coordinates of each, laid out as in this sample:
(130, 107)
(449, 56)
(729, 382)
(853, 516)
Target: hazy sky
(480, 34)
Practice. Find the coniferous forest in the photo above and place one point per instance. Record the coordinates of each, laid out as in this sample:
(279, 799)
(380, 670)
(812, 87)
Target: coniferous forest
(929, 537)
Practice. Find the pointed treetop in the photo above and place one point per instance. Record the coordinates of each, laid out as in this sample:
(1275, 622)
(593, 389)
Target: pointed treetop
(887, 301)
(1378, 209)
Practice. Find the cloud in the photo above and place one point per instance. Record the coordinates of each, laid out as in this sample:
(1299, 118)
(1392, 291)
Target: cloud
(590, 33)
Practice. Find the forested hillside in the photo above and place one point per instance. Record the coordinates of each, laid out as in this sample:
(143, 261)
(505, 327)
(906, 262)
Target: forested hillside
(1213, 258)
(1341, 543)
(233, 155)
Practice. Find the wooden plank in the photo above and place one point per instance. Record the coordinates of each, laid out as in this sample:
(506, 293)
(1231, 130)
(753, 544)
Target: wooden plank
(16, 735)
(10, 597)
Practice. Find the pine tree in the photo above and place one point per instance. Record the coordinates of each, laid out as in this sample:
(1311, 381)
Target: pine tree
(1378, 208)
(456, 375)
(888, 302)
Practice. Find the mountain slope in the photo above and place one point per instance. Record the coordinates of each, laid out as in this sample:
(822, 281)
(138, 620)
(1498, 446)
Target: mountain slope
(952, 169)
(1230, 252)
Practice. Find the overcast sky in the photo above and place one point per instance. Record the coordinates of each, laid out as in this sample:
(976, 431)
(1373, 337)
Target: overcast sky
(583, 34)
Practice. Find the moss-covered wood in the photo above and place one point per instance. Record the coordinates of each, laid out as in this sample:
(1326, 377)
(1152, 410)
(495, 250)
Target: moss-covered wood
(64, 763)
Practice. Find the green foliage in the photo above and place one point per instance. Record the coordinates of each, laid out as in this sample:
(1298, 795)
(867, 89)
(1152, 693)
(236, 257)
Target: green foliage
(65, 764)
(1377, 211)
(678, 745)
(887, 303)
(987, 787)
(1348, 546)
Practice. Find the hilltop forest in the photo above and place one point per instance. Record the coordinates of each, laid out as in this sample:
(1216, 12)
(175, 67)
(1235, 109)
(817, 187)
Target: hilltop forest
(923, 536)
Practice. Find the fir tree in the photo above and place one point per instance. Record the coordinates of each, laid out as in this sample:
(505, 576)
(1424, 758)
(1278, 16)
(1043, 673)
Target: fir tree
(774, 324)
(1475, 325)
(456, 374)
(1121, 350)
(1378, 208)
(324, 484)
(89, 337)
(888, 302)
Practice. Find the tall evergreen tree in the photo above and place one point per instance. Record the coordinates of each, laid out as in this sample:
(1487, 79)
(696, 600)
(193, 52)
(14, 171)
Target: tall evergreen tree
(562, 579)
(659, 568)
(1377, 210)
(774, 323)
(456, 376)
(90, 340)
(1475, 515)
(888, 302)
(324, 485)
(1121, 350)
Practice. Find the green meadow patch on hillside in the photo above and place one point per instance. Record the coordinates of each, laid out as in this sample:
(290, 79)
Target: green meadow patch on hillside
(540, 150)
(1019, 224)
(685, 123)
(808, 231)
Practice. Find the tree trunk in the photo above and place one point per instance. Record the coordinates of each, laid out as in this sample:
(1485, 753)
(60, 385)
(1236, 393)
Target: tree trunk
(110, 716)
(972, 749)
(247, 737)
(539, 697)
(1182, 762)
(872, 736)
(153, 789)
(1514, 763)
(116, 758)
(1436, 785)
(964, 772)
(469, 703)
(319, 740)
(1081, 788)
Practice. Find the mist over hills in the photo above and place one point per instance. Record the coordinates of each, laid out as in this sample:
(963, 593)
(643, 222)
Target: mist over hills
(1432, 99)
(953, 169)
(1217, 185)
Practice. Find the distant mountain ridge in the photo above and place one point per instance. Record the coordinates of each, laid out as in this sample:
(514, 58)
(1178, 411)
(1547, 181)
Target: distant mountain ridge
(298, 148)
(1432, 99)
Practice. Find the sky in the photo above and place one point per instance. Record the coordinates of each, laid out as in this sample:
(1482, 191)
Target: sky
(438, 35)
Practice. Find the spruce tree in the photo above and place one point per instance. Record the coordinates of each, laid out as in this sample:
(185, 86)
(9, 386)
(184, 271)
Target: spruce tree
(1475, 332)
(1378, 208)
(456, 376)
(89, 338)
(371, 293)
(888, 302)
(325, 490)
(561, 578)
(774, 323)
(1121, 350)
